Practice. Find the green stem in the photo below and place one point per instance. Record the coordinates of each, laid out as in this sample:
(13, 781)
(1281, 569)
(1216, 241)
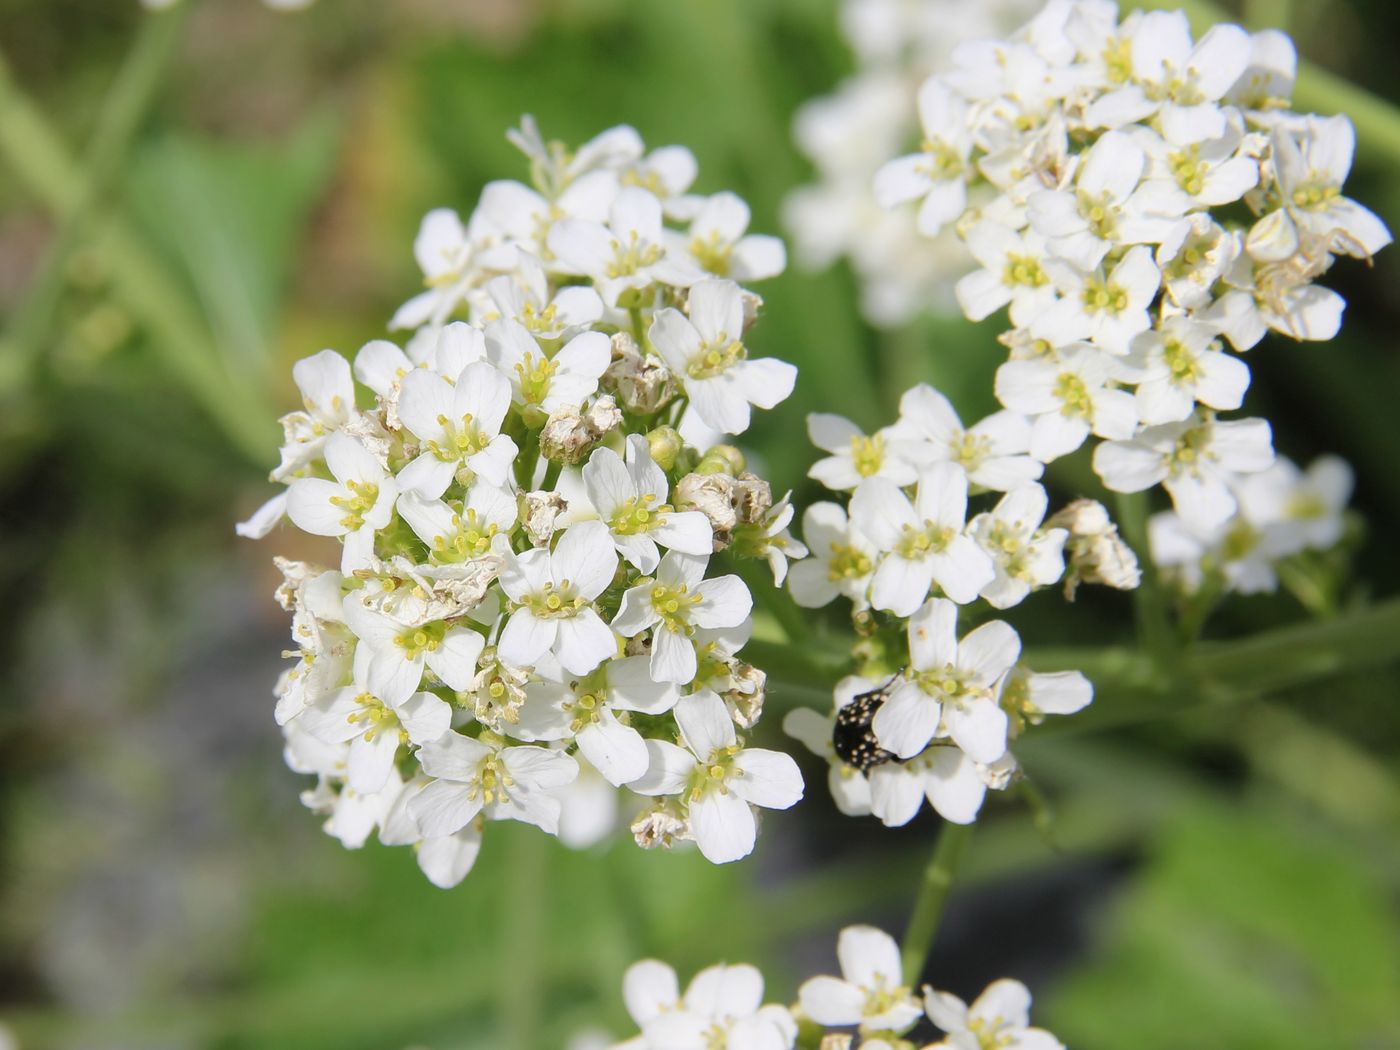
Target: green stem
(933, 896)
(123, 111)
(1149, 600)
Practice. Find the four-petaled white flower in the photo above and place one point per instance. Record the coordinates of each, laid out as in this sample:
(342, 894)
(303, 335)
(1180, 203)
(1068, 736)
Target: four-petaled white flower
(842, 561)
(999, 1017)
(869, 993)
(722, 1007)
(629, 495)
(459, 425)
(992, 452)
(854, 456)
(375, 729)
(720, 244)
(674, 604)
(1068, 399)
(358, 503)
(719, 779)
(471, 776)
(1025, 555)
(950, 684)
(543, 383)
(706, 352)
(393, 655)
(554, 592)
(923, 540)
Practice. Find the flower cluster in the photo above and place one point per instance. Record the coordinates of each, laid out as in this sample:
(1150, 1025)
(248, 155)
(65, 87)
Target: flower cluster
(1283, 511)
(723, 1006)
(1137, 200)
(527, 497)
(932, 715)
(850, 133)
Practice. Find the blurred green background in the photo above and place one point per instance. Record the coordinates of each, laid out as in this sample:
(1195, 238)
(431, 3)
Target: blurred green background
(1223, 877)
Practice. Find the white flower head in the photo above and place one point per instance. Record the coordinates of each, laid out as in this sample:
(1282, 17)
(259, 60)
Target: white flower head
(704, 349)
(1000, 1016)
(459, 424)
(870, 991)
(677, 602)
(950, 684)
(354, 506)
(720, 779)
(1025, 555)
(553, 593)
(472, 776)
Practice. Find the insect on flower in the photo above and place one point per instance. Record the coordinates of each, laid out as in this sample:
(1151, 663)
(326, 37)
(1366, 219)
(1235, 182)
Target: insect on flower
(853, 735)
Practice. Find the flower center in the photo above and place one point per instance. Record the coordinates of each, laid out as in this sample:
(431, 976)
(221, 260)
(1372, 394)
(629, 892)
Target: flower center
(715, 358)
(362, 498)
(848, 563)
(419, 640)
(673, 605)
(538, 320)
(1314, 195)
(1182, 362)
(1073, 395)
(554, 603)
(459, 439)
(633, 256)
(1100, 213)
(1104, 295)
(534, 374)
(989, 1034)
(376, 717)
(491, 781)
(1191, 449)
(472, 540)
(941, 161)
(637, 515)
(915, 544)
(1188, 169)
(949, 685)
(1118, 61)
(1023, 271)
(714, 773)
(867, 453)
(712, 254)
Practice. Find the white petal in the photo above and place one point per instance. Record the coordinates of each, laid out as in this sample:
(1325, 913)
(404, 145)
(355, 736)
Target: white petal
(767, 778)
(723, 826)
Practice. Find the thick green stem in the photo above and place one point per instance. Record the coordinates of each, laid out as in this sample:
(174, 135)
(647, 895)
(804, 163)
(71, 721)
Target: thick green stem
(937, 883)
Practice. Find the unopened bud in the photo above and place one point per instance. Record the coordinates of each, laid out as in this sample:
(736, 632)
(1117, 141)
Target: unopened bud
(568, 436)
(665, 445)
(722, 459)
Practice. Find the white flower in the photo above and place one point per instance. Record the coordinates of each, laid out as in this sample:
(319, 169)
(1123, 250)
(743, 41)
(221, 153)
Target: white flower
(854, 456)
(923, 540)
(1025, 555)
(1106, 310)
(480, 529)
(1312, 159)
(1000, 1017)
(1027, 697)
(553, 593)
(375, 729)
(358, 503)
(953, 784)
(992, 451)
(949, 684)
(1011, 274)
(1196, 158)
(630, 495)
(1068, 398)
(938, 174)
(1193, 257)
(1194, 460)
(555, 166)
(1171, 74)
(629, 253)
(459, 425)
(677, 602)
(523, 297)
(1106, 208)
(452, 257)
(722, 1006)
(328, 402)
(525, 216)
(869, 993)
(842, 560)
(393, 656)
(585, 710)
(473, 776)
(706, 353)
(1300, 509)
(721, 780)
(1181, 364)
(547, 384)
(720, 244)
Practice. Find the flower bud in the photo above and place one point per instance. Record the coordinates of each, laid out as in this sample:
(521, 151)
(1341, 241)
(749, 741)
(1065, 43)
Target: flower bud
(661, 825)
(665, 445)
(722, 459)
(568, 436)
(538, 513)
(1095, 552)
(713, 496)
(642, 381)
